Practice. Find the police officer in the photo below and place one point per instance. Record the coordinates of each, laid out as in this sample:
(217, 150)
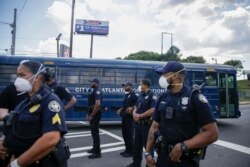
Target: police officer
(94, 117)
(35, 128)
(9, 99)
(126, 112)
(142, 116)
(62, 92)
(184, 120)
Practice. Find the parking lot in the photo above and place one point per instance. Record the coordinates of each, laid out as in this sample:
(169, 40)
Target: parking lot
(232, 149)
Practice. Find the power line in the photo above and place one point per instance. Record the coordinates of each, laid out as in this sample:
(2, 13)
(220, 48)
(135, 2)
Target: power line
(3, 22)
(22, 8)
(22, 38)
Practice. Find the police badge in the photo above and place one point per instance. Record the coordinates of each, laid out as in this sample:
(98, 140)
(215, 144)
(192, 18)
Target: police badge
(184, 101)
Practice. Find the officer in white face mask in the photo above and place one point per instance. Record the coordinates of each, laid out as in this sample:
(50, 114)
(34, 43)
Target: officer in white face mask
(183, 118)
(35, 127)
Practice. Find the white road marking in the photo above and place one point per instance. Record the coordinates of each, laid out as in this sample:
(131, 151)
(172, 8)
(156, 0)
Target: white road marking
(103, 151)
(106, 132)
(77, 133)
(102, 146)
(222, 143)
(233, 146)
(75, 136)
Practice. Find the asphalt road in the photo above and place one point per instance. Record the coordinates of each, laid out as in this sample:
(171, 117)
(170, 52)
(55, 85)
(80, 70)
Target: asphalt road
(231, 150)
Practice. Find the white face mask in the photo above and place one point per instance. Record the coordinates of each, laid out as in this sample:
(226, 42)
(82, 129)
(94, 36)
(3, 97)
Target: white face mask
(139, 88)
(23, 85)
(163, 82)
(126, 92)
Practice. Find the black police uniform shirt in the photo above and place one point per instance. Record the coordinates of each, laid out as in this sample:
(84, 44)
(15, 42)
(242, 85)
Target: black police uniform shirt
(9, 97)
(35, 120)
(145, 101)
(62, 92)
(95, 94)
(129, 100)
(180, 120)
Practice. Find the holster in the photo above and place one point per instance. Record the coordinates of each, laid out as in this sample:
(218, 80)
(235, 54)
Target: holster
(61, 153)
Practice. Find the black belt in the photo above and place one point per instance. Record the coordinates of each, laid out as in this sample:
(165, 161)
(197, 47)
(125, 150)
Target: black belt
(39, 163)
(166, 148)
(144, 122)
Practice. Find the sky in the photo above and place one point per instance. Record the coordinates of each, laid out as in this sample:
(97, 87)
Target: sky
(209, 28)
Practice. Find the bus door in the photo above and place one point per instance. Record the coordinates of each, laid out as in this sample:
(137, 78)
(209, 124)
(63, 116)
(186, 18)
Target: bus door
(228, 98)
(211, 91)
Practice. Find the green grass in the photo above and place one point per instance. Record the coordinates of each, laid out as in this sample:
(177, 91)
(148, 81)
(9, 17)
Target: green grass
(242, 84)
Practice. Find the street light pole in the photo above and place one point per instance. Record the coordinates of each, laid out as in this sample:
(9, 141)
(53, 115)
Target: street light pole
(13, 26)
(215, 59)
(171, 35)
(71, 31)
(57, 43)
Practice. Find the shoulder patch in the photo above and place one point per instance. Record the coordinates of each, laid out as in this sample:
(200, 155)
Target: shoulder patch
(54, 106)
(98, 92)
(202, 98)
(34, 108)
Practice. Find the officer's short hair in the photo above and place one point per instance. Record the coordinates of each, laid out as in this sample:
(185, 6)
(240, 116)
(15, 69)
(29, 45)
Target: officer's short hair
(146, 82)
(35, 67)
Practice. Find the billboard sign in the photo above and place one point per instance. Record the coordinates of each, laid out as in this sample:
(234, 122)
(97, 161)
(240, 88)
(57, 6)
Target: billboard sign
(93, 27)
(64, 50)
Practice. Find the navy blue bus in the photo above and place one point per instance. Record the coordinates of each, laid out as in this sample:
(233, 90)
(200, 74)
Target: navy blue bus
(220, 86)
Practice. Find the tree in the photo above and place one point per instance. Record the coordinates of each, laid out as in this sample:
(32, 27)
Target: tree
(236, 63)
(173, 54)
(143, 55)
(194, 59)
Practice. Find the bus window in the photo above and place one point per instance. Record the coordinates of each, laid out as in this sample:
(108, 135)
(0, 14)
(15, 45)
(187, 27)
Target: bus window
(197, 77)
(125, 75)
(66, 75)
(211, 79)
(107, 76)
(147, 74)
(8, 73)
(85, 74)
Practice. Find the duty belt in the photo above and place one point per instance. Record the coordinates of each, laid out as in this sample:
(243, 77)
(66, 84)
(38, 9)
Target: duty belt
(196, 154)
(147, 121)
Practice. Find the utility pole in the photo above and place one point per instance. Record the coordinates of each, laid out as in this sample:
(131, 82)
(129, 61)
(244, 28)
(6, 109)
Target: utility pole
(71, 31)
(57, 44)
(91, 46)
(13, 31)
(171, 35)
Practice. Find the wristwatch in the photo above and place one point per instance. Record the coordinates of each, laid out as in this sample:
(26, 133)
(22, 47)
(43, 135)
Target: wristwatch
(146, 154)
(183, 147)
(14, 164)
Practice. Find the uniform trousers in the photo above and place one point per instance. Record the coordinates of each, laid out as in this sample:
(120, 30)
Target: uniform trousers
(94, 127)
(165, 161)
(140, 141)
(128, 132)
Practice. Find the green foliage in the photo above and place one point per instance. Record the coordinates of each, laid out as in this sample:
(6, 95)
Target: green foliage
(242, 84)
(236, 63)
(194, 59)
(143, 55)
(173, 54)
